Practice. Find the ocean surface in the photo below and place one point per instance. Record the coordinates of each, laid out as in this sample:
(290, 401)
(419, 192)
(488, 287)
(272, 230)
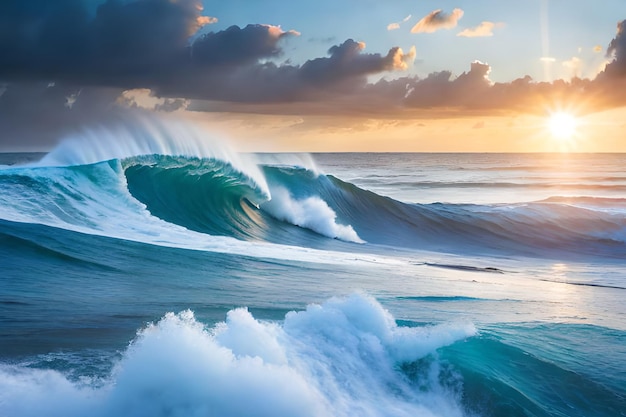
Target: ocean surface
(150, 270)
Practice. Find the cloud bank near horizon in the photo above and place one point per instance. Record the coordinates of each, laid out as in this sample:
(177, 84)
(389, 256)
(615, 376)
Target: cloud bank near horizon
(62, 64)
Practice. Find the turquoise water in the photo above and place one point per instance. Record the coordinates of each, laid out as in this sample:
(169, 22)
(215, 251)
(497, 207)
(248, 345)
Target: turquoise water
(157, 273)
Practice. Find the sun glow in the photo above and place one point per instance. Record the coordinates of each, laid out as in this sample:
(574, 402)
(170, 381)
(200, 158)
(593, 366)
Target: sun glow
(562, 125)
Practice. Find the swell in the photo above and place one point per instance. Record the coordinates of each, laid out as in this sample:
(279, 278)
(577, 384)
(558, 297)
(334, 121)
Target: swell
(35, 245)
(538, 372)
(549, 184)
(585, 200)
(535, 229)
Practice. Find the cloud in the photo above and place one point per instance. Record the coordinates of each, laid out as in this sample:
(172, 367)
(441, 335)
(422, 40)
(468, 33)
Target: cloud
(122, 43)
(617, 51)
(396, 25)
(442, 89)
(146, 44)
(402, 61)
(34, 116)
(344, 71)
(71, 99)
(206, 20)
(348, 61)
(437, 20)
(144, 98)
(64, 67)
(233, 74)
(574, 65)
(483, 30)
(238, 46)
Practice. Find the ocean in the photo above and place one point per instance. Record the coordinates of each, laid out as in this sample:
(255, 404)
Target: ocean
(150, 270)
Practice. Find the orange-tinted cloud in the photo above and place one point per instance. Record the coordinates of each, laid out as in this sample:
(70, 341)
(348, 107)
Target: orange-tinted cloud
(437, 20)
(396, 25)
(483, 30)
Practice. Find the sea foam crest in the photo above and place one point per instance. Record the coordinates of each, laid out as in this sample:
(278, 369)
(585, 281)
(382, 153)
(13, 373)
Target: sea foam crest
(150, 136)
(311, 213)
(339, 358)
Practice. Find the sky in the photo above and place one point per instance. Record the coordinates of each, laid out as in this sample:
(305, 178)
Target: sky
(323, 75)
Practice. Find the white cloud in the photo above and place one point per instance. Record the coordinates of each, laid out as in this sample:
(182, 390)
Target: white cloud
(396, 25)
(483, 30)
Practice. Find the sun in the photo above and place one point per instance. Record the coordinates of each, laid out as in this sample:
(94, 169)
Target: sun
(562, 125)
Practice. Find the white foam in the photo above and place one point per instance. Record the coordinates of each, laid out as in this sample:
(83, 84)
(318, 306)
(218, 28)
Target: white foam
(311, 213)
(335, 359)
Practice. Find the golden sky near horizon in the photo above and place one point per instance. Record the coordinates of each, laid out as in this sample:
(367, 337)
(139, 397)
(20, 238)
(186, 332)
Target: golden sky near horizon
(596, 132)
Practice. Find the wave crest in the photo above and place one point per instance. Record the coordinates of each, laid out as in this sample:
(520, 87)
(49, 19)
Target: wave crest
(311, 213)
(149, 136)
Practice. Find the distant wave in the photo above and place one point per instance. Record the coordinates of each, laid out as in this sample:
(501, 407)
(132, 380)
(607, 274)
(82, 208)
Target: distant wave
(489, 269)
(585, 200)
(529, 185)
(530, 228)
(586, 284)
(442, 299)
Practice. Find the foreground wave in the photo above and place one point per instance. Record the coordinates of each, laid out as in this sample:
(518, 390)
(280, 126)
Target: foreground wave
(341, 358)
(344, 357)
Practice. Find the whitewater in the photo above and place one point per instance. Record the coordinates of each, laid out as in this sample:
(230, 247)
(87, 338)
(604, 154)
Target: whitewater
(148, 269)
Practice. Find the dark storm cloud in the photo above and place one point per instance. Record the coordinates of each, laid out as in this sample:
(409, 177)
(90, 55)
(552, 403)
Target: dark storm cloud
(123, 43)
(344, 71)
(617, 51)
(64, 65)
(146, 44)
(347, 60)
(235, 46)
(34, 116)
